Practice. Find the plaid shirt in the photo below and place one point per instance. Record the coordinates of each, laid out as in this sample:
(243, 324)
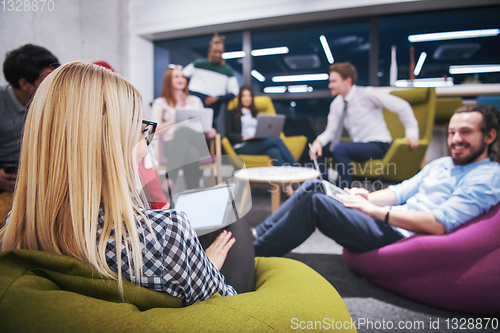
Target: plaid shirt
(176, 264)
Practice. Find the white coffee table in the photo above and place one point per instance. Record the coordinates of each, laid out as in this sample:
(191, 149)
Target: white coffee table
(276, 177)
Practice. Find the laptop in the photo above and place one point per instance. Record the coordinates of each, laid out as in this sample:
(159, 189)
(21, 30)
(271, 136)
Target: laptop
(205, 115)
(269, 126)
(328, 188)
(207, 209)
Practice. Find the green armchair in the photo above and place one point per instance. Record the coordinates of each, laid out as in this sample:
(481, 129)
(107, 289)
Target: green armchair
(295, 144)
(400, 162)
(43, 292)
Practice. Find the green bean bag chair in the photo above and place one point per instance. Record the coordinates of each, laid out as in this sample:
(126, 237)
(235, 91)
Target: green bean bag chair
(43, 292)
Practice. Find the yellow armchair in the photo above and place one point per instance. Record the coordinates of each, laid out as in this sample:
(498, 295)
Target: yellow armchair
(400, 162)
(445, 108)
(295, 144)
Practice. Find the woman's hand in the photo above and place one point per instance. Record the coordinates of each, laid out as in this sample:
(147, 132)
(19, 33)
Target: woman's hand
(217, 252)
(211, 133)
(245, 138)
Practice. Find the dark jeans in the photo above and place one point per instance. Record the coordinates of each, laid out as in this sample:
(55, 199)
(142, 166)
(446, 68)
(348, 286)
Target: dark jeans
(309, 208)
(345, 152)
(275, 148)
(239, 266)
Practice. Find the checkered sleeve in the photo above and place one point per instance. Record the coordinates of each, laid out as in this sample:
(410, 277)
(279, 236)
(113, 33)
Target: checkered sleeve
(174, 261)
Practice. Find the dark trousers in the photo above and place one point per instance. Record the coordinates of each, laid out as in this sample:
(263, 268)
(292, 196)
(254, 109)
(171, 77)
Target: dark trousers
(275, 148)
(239, 266)
(309, 208)
(345, 152)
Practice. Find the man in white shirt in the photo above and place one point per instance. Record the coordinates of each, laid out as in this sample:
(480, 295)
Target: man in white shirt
(359, 110)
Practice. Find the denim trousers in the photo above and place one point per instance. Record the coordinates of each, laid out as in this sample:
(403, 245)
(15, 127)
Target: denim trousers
(275, 148)
(309, 208)
(345, 152)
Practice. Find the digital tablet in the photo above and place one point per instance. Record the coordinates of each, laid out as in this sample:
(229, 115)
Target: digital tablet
(207, 208)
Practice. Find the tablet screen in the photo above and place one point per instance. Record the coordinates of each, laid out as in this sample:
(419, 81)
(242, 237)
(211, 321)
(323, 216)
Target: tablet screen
(204, 208)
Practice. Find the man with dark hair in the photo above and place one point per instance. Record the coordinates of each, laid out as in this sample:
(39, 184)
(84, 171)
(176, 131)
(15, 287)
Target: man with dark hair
(213, 81)
(359, 110)
(446, 193)
(24, 69)
(491, 121)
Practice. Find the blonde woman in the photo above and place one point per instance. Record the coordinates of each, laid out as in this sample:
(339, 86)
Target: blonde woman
(76, 190)
(175, 95)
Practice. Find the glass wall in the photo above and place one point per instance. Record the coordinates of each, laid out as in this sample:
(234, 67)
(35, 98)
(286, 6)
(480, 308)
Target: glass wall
(183, 51)
(308, 51)
(439, 55)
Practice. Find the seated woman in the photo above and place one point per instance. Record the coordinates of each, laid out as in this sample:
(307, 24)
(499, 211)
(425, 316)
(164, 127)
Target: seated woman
(76, 191)
(241, 124)
(175, 95)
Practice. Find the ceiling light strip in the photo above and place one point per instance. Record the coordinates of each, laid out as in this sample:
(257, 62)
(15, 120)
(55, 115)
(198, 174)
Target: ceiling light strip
(275, 90)
(300, 88)
(473, 69)
(270, 51)
(326, 48)
(420, 63)
(233, 55)
(258, 75)
(453, 35)
(301, 78)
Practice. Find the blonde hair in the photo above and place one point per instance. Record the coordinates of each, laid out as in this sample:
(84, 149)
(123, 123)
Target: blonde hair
(168, 88)
(78, 156)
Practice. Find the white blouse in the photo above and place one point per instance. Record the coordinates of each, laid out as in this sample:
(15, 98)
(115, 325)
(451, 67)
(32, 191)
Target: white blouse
(248, 126)
(248, 123)
(162, 112)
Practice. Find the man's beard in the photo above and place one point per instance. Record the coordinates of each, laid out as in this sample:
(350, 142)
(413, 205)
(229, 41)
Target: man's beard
(471, 157)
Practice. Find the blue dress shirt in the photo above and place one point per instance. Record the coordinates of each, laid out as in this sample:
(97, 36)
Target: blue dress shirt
(453, 194)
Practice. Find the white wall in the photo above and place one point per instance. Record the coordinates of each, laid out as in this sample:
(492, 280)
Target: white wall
(85, 30)
(153, 16)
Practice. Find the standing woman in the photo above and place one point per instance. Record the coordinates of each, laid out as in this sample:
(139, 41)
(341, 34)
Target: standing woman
(76, 191)
(175, 94)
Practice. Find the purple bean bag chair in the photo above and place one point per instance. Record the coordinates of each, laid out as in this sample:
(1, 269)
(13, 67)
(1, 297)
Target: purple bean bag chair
(459, 271)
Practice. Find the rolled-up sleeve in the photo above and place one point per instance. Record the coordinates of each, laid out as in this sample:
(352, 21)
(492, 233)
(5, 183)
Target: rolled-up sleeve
(409, 187)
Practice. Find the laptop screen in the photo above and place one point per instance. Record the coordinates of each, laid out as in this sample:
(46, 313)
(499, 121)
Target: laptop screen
(204, 208)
